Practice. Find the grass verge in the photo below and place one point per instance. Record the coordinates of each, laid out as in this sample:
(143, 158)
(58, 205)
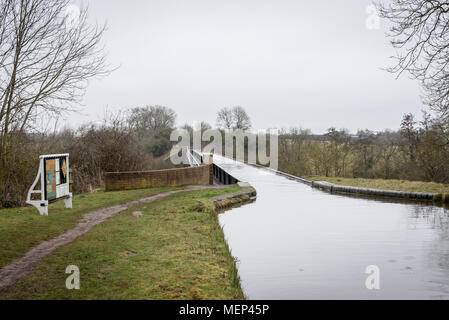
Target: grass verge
(23, 228)
(383, 184)
(176, 250)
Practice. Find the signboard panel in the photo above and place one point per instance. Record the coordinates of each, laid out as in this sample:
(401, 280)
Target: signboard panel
(63, 170)
(50, 179)
(53, 177)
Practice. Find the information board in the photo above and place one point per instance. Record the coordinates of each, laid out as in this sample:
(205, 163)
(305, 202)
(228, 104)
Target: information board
(54, 181)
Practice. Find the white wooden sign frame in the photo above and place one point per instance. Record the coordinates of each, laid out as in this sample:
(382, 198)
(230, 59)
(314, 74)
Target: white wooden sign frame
(62, 192)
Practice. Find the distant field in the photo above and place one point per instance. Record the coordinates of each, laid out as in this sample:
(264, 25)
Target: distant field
(399, 185)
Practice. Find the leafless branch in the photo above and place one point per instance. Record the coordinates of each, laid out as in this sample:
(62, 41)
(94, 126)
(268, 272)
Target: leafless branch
(420, 33)
(46, 60)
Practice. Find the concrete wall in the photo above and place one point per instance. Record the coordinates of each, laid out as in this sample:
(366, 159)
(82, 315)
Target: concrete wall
(372, 192)
(202, 175)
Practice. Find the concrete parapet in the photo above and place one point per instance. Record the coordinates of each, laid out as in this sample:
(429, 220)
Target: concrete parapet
(335, 188)
(374, 192)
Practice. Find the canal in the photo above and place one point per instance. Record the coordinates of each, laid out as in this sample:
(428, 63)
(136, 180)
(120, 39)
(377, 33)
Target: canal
(296, 242)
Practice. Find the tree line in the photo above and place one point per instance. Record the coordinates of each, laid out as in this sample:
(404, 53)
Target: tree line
(419, 150)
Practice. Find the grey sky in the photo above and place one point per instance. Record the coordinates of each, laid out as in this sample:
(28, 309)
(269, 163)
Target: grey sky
(288, 63)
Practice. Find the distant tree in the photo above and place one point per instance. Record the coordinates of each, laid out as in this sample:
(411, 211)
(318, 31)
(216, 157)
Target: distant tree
(241, 119)
(233, 118)
(225, 119)
(339, 148)
(204, 126)
(199, 130)
(365, 154)
(433, 154)
(294, 148)
(151, 118)
(388, 144)
(425, 149)
(152, 126)
(420, 33)
(188, 128)
(410, 134)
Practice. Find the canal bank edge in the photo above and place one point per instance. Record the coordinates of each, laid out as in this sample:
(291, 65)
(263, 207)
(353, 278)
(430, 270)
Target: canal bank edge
(335, 188)
(247, 194)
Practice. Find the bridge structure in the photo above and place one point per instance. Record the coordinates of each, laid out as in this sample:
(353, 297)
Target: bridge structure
(221, 176)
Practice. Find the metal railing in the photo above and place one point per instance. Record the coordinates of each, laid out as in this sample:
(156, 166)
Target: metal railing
(193, 160)
(197, 156)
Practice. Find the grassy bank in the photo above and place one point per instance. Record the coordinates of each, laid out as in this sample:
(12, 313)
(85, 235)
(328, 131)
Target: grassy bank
(176, 250)
(382, 184)
(23, 228)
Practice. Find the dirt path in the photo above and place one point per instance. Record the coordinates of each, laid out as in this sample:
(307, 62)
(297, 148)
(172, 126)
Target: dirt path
(24, 266)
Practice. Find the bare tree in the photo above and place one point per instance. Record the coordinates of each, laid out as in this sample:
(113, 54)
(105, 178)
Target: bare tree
(241, 119)
(5, 29)
(339, 148)
(420, 32)
(46, 60)
(204, 126)
(233, 118)
(225, 119)
(188, 128)
(152, 118)
(151, 126)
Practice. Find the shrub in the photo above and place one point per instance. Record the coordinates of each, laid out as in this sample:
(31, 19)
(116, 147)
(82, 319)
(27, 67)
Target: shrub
(18, 168)
(438, 198)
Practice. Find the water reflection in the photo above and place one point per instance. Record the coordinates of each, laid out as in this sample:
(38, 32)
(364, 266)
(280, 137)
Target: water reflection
(296, 242)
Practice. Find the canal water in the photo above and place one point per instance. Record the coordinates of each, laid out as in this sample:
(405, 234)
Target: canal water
(296, 242)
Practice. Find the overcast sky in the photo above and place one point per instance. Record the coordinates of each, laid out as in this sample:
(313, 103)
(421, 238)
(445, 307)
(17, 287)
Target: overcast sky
(312, 64)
